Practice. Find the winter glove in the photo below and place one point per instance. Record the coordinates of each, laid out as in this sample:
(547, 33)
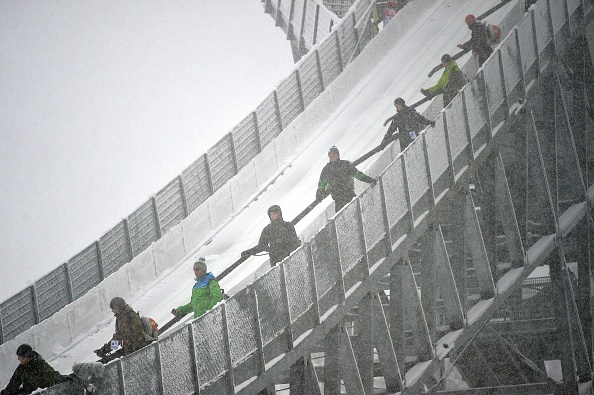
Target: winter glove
(432, 123)
(100, 353)
(246, 253)
(425, 92)
(174, 312)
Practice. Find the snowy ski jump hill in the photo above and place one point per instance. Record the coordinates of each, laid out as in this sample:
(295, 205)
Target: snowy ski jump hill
(349, 114)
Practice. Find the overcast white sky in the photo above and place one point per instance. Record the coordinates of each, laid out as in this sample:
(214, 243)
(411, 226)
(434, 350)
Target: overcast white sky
(103, 102)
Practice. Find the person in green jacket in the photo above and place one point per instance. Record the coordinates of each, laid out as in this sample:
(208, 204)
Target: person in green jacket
(450, 83)
(32, 373)
(205, 293)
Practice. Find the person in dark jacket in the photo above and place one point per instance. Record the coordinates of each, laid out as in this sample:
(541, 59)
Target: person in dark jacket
(479, 39)
(407, 121)
(279, 238)
(32, 373)
(206, 292)
(337, 179)
(450, 83)
(128, 334)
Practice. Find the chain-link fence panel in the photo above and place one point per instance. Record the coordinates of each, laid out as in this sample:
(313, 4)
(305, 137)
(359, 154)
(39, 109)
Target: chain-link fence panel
(347, 37)
(271, 304)
(294, 29)
(290, 103)
(494, 89)
(143, 228)
(417, 176)
(558, 16)
(176, 363)
(396, 199)
(477, 120)
(245, 140)
(512, 71)
(84, 270)
(326, 20)
(339, 7)
(330, 61)
(196, 181)
(372, 212)
(572, 7)
(348, 232)
(437, 151)
(18, 314)
(170, 205)
(209, 345)
(241, 325)
(284, 8)
(528, 50)
(268, 120)
(309, 24)
(325, 259)
(458, 135)
(52, 292)
(141, 371)
(115, 251)
(299, 284)
(110, 381)
(544, 38)
(221, 162)
(311, 80)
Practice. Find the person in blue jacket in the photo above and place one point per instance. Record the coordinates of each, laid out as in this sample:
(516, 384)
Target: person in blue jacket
(205, 293)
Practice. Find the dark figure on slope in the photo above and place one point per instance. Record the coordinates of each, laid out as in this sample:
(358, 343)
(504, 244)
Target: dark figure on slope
(450, 83)
(32, 373)
(408, 122)
(337, 179)
(279, 238)
(206, 292)
(129, 333)
(479, 41)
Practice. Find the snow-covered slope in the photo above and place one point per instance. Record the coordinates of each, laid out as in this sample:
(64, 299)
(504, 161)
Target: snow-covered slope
(354, 127)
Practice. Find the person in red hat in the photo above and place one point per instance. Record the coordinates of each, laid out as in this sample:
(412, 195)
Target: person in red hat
(479, 39)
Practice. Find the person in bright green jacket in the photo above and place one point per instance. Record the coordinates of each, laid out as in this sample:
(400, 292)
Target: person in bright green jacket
(450, 83)
(205, 293)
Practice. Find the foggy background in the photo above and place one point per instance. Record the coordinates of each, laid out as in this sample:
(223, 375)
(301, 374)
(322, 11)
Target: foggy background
(102, 103)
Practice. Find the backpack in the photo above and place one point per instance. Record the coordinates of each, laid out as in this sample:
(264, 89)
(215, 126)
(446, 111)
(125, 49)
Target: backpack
(494, 33)
(150, 329)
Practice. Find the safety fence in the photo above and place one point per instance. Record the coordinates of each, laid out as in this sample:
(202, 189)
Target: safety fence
(199, 181)
(225, 350)
(310, 22)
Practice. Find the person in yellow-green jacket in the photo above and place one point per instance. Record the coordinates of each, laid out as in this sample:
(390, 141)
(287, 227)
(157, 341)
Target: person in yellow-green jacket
(450, 83)
(205, 293)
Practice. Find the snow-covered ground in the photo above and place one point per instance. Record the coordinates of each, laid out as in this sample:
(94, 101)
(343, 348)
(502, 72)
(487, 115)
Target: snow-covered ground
(355, 127)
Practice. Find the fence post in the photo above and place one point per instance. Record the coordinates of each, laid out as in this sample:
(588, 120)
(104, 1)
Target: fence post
(300, 90)
(228, 361)
(209, 175)
(68, 283)
(156, 215)
(128, 239)
(316, 24)
(277, 111)
(182, 191)
(100, 260)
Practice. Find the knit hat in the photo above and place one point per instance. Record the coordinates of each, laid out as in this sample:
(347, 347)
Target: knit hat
(469, 19)
(333, 150)
(446, 58)
(24, 350)
(117, 303)
(400, 101)
(200, 263)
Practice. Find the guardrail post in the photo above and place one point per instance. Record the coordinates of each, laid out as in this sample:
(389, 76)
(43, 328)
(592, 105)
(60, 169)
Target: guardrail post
(277, 111)
(233, 153)
(300, 90)
(192, 346)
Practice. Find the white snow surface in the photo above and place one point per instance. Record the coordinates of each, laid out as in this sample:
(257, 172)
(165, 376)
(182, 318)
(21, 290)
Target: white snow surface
(355, 127)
